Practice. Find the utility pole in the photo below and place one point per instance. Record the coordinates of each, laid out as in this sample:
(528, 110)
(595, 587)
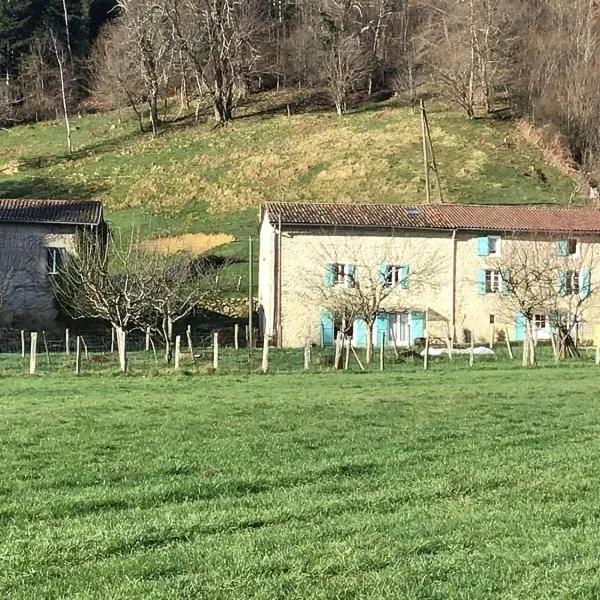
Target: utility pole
(250, 295)
(425, 157)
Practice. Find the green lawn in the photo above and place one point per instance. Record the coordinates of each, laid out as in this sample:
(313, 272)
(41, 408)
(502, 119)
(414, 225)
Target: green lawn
(453, 483)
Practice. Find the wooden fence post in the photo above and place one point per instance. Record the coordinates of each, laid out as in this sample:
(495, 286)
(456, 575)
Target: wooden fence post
(122, 344)
(177, 351)
(78, 355)
(426, 357)
(67, 342)
(112, 340)
(508, 346)
(236, 333)
(190, 343)
(472, 349)
(307, 353)
(22, 343)
(33, 352)
(46, 346)
(265, 354)
(147, 339)
(215, 350)
(382, 352)
(338, 350)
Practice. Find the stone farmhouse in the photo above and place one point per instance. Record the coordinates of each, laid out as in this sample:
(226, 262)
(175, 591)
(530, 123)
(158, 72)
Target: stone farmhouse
(35, 238)
(440, 268)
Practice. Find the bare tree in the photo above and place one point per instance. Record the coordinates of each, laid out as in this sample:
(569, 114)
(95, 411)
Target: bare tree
(362, 284)
(61, 62)
(549, 278)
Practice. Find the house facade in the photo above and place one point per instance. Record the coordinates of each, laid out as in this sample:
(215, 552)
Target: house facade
(35, 238)
(450, 270)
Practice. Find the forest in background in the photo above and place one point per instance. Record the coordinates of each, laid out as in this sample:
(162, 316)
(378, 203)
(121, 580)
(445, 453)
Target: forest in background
(537, 59)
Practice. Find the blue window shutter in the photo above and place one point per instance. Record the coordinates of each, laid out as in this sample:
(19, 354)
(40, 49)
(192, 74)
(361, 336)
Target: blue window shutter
(383, 269)
(327, 329)
(562, 248)
(404, 273)
(417, 324)
(351, 275)
(360, 333)
(585, 285)
(481, 282)
(483, 246)
(561, 284)
(382, 326)
(329, 272)
(520, 326)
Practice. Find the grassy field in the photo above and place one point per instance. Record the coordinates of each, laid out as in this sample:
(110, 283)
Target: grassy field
(197, 179)
(446, 484)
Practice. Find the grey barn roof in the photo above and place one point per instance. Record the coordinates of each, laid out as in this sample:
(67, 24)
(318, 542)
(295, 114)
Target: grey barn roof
(466, 217)
(57, 212)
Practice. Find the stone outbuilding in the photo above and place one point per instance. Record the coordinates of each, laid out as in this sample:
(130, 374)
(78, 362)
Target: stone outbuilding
(35, 238)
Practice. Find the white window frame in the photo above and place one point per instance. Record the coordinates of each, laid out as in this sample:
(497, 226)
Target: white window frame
(540, 321)
(341, 274)
(496, 283)
(393, 276)
(498, 250)
(55, 253)
(572, 276)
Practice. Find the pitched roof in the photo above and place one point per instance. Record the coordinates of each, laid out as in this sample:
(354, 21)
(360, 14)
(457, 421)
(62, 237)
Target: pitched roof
(58, 212)
(505, 218)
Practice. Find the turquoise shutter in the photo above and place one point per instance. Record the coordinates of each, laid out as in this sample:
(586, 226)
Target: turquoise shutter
(483, 246)
(505, 275)
(350, 277)
(417, 324)
(382, 326)
(327, 329)
(520, 326)
(383, 269)
(585, 285)
(360, 333)
(562, 248)
(329, 272)
(481, 282)
(404, 273)
(561, 284)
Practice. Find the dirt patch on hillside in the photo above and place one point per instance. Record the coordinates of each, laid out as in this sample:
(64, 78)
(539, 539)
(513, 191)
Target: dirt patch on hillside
(197, 243)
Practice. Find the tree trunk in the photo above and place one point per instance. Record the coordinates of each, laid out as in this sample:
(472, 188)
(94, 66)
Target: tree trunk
(369, 357)
(153, 102)
(167, 329)
(122, 346)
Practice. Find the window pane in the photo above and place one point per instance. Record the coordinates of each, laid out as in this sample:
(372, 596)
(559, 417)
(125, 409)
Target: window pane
(572, 247)
(492, 245)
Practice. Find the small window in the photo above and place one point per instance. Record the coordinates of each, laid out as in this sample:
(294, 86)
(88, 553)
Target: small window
(492, 319)
(341, 274)
(493, 246)
(571, 282)
(54, 260)
(539, 321)
(396, 275)
(572, 247)
(493, 281)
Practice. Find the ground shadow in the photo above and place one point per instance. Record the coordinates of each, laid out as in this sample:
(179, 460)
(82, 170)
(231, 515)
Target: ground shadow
(47, 188)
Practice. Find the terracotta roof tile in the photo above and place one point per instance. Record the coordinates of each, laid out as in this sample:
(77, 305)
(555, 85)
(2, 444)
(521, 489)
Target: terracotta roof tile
(482, 217)
(64, 212)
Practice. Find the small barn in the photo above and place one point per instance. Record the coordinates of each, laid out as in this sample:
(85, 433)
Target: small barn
(35, 238)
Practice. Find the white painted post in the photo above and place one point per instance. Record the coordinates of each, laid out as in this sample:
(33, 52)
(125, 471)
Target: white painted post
(190, 344)
(177, 351)
(265, 354)
(492, 336)
(426, 357)
(215, 350)
(78, 356)
(67, 342)
(508, 346)
(122, 344)
(22, 343)
(307, 353)
(382, 352)
(33, 352)
(112, 340)
(147, 339)
(338, 349)
(236, 332)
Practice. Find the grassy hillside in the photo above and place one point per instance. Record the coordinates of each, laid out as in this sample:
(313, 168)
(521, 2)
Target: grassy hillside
(200, 179)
